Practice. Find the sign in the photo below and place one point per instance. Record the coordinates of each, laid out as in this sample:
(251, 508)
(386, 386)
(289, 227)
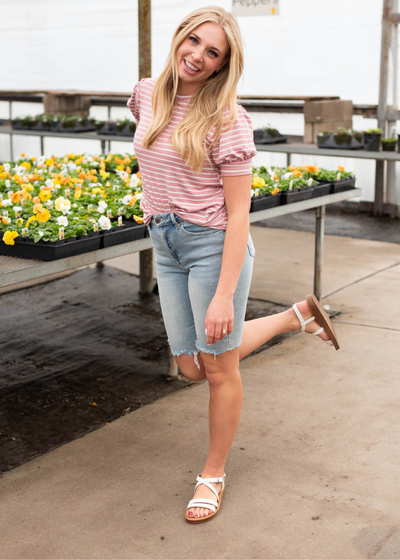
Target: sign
(255, 7)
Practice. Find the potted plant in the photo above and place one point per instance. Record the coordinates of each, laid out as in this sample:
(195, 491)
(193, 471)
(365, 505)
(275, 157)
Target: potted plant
(372, 139)
(268, 135)
(388, 144)
(22, 123)
(344, 138)
(106, 127)
(125, 127)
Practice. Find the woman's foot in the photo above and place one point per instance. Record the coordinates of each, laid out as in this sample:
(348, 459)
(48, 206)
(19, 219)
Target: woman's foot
(203, 491)
(313, 326)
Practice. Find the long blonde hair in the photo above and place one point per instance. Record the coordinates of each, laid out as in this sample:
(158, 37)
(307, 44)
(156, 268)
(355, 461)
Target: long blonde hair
(208, 103)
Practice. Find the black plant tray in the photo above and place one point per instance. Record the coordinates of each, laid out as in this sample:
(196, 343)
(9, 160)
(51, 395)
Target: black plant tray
(296, 195)
(335, 142)
(321, 190)
(123, 234)
(265, 201)
(264, 137)
(343, 185)
(51, 250)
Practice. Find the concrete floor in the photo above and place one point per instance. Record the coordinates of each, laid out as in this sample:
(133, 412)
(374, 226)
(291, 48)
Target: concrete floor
(312, 472)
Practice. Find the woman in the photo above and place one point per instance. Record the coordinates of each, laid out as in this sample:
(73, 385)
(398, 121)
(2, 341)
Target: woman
(195, 146)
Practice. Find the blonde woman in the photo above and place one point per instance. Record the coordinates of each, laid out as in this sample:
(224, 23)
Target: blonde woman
(195, 146)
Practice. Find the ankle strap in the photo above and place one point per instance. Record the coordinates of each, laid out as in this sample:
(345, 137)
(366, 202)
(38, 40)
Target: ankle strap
(303, 323)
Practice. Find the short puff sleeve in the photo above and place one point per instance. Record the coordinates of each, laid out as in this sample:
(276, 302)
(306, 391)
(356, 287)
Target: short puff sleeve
(235, 149)
(134, 100)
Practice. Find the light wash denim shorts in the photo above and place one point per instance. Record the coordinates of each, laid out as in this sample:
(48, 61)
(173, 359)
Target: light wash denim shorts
(188, 261)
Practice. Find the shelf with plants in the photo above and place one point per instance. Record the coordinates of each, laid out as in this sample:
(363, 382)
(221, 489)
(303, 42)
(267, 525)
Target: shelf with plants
(51, 208)
(273, 186)
(268, 135)
(74, 123)
(343, 139)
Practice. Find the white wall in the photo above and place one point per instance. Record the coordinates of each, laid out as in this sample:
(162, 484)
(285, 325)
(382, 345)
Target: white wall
(314, 47)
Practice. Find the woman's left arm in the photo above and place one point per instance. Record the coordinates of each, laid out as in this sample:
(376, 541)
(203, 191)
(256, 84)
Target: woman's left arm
(220, 311)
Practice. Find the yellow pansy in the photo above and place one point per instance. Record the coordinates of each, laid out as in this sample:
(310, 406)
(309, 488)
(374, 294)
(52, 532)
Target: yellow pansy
(78, 194)
(49, 162)
(44, 195)
(26, 164)
(19, 221)
(43, 216)
(257, 182)
(138, 219)
(27, 196)
(9, 237)
(30, 220)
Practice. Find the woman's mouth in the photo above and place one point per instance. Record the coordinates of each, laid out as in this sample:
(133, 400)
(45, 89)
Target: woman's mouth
(190, 69)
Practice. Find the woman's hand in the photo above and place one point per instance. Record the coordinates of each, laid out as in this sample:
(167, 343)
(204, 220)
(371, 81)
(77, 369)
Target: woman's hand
(219, 318)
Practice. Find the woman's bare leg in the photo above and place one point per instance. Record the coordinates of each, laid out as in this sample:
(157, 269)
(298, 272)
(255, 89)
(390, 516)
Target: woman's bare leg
(255, 333)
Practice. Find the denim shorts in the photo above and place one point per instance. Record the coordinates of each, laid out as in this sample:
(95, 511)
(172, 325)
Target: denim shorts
(188, 261)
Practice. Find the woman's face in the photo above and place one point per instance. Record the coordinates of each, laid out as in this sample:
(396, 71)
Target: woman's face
(199, 55)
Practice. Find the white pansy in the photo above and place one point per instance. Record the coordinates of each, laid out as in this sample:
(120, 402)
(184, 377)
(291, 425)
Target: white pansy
(62, 221)
(94, 163)
(122, 174)
(7, 167)
(270, 172)
(40, 232)
(287, 175)
(102, 206)
(104, 223)
(127, 199)
(94, 185)
(8, 183)
(72, 166)
(49, 183)
(74, 205)
(134, 181)
(6, 202)
(310, 182)
(41, 159)
(17, 208)
(138, 195)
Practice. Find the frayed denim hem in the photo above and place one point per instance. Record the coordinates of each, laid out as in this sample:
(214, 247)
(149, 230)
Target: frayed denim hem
(209, 351)
(189, 353)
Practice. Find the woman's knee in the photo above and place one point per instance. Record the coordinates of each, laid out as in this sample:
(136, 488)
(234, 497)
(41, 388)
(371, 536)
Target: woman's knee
(189, 368)
(220, 368)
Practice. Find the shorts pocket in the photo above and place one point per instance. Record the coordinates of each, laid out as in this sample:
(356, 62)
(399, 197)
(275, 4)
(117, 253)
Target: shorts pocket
(198, 230)
(250, 247)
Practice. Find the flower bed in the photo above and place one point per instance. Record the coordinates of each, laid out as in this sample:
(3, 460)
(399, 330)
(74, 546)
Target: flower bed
(51, 208)
(273, 186)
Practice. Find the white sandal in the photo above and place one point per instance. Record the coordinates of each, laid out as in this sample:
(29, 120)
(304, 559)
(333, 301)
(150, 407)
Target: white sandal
(206, 502)
(321, 317)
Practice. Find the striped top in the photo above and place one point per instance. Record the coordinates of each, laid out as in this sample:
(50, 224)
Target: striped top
(169, 185)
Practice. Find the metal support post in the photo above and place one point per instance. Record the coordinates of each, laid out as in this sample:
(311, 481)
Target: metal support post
(288, 158)
(146, 257)
(42, 145)
(11, 147)
(391, 195)
(379, 187)
(103, 146)
(319, 249)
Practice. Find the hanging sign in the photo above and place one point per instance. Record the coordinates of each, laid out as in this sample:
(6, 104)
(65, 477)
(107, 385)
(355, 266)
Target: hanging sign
(255, 7)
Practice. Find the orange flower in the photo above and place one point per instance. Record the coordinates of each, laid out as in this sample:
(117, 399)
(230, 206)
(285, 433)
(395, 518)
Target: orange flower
(15, 197)
(138, 175)
(297, 173)
(27, 196)
(275, 191)
(37, 207)
(82, 175)
(36, 200)
(341, 167)
(292, 168)
(275, 177)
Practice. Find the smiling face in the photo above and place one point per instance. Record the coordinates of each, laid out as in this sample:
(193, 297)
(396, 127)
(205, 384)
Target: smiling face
(203, 52)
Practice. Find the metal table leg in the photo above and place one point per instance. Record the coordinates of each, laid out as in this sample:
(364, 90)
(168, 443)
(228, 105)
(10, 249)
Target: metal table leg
(319, 248)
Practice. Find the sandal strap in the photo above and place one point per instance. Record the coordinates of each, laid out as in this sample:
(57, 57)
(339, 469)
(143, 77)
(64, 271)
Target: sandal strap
(207, 481)
(207, 506)
(197, 501)
(303, 323)
(319, 331)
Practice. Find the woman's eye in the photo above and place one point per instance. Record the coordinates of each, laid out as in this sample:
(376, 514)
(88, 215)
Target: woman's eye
(213, 53)
(193, 39)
